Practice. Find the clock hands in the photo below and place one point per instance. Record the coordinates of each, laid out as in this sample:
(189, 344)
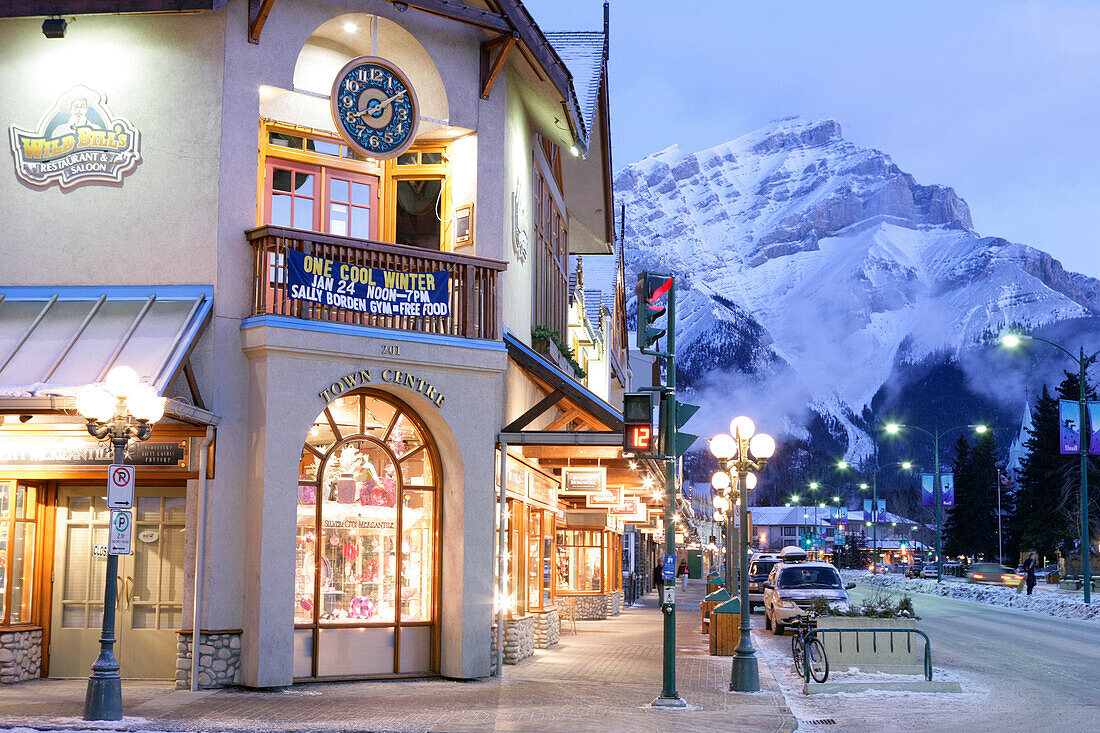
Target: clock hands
(377, 109)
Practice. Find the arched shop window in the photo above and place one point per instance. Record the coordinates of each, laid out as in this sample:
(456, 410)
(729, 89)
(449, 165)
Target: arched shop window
(366, 574)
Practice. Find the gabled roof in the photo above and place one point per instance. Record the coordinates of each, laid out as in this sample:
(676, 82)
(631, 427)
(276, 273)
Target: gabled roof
(584, 54)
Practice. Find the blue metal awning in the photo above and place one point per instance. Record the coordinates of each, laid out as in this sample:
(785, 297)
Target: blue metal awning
(54, 340)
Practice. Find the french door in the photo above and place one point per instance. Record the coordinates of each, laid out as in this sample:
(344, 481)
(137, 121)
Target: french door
(149, 606)
(321, 199)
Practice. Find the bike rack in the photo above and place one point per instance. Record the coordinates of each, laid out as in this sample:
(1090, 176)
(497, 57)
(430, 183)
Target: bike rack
(874, 645)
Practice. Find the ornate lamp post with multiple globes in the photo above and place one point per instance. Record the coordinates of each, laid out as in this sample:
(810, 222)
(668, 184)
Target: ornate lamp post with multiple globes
(738, 455)
(120, 410)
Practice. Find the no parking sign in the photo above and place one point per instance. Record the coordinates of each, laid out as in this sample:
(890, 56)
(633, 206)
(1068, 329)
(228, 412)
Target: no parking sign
(120, 487)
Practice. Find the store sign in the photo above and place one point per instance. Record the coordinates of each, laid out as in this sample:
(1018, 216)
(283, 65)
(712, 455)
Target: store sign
(367, 289)
(630, 509)
(45, 452)
(583, 480)
(607, 497)
(363, 377)
(77, 141)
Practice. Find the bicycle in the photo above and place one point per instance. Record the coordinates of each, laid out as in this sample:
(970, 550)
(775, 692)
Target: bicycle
(802, 643)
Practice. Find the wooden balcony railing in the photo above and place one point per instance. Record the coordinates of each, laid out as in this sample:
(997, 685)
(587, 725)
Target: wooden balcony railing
(473, 282)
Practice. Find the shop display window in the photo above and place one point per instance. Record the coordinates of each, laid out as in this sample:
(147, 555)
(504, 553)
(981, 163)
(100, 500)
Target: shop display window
(18, 532)
(540, 558)
(366, 551)
(580, 562)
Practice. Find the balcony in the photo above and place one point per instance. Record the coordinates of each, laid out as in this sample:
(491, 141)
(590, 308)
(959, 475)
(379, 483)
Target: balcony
(472, 288)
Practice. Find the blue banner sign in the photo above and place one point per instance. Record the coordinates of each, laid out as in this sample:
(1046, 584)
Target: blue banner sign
(947, 489)
(1069, 428)
(668, 568)
(1094, 428)
(873, 513)
(366, 289)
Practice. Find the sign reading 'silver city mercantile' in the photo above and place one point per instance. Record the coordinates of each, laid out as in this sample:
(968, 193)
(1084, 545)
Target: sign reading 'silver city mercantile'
(78, 140)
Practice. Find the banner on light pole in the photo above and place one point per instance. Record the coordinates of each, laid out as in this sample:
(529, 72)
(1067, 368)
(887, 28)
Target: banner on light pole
(928, 489)
(1094, 428)
(1069, 427)
(868, 510)
(947, 489)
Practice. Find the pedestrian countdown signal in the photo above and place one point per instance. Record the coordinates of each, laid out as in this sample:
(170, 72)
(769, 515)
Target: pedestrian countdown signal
(638, 435)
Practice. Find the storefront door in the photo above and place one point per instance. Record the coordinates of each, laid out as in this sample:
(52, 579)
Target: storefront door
(149, 609)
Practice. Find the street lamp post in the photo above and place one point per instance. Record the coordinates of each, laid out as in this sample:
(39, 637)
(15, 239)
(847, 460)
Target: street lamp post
(740, 454)
(120, 410)
(906, 465)
(1083, 362)
(937, 494)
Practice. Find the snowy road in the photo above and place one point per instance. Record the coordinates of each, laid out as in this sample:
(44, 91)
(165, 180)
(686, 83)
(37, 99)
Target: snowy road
(1041, 672)
(1019, 672)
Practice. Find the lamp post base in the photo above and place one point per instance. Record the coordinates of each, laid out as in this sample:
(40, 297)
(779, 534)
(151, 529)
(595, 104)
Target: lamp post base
(103, 700)
(669, 702)
(745, 675)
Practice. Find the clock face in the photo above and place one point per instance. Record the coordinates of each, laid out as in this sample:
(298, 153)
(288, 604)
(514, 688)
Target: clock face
(375, 107)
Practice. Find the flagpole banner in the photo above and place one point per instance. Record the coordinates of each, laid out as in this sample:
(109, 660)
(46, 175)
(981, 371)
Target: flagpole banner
(927, 490)
(947, 489)
(367, 289)
(1094, 428)
(1069, 431)
(868, 509)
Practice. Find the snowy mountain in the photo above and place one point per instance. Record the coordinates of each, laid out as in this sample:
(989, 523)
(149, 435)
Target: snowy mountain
(818, 280)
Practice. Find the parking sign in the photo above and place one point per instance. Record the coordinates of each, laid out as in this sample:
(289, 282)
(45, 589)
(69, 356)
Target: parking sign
(121, 531)
(120, 487)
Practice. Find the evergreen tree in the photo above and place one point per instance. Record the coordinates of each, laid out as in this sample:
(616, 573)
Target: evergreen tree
(1046, 515)
(971, 526)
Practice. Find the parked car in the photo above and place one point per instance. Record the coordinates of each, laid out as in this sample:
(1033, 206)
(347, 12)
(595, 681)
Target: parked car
(994, 574)
(928, 571)
(791, 589)
(759, 568)
(913, 571)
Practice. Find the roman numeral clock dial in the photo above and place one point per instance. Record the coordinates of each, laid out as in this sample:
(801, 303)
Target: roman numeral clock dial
(374, 107)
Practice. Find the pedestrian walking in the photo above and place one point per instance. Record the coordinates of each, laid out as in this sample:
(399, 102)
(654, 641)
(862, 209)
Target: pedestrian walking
(658, 578)
(1029, 571)
(682, 571)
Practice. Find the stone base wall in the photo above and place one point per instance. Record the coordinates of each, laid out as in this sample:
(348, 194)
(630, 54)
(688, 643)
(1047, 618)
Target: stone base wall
(590, 608)
(614, 603)
(219, 660)
(519, 639)
(20, 656)
(547, 629)
(493, 649)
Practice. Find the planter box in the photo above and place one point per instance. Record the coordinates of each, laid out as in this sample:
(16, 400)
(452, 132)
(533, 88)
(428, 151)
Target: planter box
(873, 651)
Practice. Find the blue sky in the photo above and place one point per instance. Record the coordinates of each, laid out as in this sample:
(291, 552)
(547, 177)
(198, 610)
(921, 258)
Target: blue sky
(998, 99)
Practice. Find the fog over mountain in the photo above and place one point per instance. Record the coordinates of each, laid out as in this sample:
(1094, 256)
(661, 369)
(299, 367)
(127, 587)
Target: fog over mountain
(818, 281)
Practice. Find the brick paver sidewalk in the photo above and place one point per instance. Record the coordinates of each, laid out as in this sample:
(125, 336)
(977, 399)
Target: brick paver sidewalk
(603, 679)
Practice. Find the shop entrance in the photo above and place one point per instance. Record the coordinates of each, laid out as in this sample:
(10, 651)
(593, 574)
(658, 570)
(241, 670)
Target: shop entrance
(149, 609)
(367, 562)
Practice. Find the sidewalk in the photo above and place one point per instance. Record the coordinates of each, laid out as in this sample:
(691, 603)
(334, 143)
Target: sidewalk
(601, 680)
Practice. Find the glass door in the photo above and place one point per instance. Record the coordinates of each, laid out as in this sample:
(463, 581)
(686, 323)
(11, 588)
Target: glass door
(149, 605)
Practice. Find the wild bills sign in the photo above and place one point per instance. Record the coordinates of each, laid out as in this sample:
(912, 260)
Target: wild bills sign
(77, 140)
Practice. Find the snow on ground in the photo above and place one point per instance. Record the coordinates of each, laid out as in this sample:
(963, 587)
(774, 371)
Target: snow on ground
(1049, 604)
(867, 710)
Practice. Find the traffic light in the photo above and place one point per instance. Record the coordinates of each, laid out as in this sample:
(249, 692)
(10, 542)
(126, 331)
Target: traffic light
(684, 412)
(649, 289)
(638, 435)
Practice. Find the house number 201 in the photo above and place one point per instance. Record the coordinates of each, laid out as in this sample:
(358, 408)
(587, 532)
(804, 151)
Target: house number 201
(391, 350)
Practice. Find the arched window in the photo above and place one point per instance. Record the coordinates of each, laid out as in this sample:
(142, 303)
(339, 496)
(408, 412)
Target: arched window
(367, 548)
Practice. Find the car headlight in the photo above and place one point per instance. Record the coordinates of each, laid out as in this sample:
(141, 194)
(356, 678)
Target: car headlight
(787, 604)
(840, 605)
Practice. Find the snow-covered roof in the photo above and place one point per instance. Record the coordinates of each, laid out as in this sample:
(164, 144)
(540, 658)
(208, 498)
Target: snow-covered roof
(856, 515)
(583, 53)
(770, 516)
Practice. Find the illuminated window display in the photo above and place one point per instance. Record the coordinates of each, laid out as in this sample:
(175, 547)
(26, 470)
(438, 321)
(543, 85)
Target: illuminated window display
(18, 511)
(581, 561)
(366, 541)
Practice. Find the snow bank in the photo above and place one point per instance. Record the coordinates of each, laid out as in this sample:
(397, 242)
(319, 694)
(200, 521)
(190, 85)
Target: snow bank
(1049, 604)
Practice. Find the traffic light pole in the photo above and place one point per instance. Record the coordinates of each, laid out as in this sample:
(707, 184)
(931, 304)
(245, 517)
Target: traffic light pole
(669, 696)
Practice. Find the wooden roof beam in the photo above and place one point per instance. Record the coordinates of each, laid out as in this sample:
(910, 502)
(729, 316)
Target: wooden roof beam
(461, 12)
(542, 406)
(489, 72)
(258, 10)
